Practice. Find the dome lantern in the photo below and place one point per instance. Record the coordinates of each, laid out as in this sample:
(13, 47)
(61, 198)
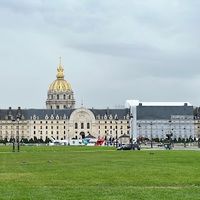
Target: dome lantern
(60, 71)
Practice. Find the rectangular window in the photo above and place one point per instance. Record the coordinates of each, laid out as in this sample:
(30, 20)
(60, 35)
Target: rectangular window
(88, 125)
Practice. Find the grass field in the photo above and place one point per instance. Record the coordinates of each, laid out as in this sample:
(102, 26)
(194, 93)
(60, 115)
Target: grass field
(98, 173)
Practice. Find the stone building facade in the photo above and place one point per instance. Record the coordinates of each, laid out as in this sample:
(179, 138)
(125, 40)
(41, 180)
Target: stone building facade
(65, 124)
(157, 119)
(62, 121)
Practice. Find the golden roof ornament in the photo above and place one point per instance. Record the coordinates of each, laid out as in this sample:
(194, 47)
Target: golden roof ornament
(60, 84)
(60, 71)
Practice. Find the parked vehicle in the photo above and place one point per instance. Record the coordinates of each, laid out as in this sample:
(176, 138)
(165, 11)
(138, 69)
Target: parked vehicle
(134, 146)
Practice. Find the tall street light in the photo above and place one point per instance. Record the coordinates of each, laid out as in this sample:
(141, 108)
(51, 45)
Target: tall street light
(171, 133)
(184, 137)
(151, 135)
(18, 117)
(13, 137)
(18, 134)
(131, 130)
(139, 127)
(116, 119)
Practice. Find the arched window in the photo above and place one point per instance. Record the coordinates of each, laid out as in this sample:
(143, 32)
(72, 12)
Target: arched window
(58, 96)
(88, 125)
(82, 125)
(76, 125)
(64, 96)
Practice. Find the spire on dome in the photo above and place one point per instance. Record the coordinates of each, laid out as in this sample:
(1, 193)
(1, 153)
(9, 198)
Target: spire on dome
(60, 71)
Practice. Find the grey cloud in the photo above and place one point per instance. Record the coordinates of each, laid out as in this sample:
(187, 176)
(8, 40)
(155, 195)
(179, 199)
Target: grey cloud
(113, 49)
(122, 50)
(147, 60)
(21, 6)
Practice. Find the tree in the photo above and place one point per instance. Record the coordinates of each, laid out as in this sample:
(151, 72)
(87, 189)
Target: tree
(31, 140)
(47, 140)
(35, 139)
(5, 140)
(24, 140)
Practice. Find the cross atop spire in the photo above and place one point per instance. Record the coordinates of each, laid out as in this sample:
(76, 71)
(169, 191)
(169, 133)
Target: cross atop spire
(60, 58)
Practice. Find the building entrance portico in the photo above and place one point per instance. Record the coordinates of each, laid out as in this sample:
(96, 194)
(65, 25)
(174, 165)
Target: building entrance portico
(82, 123)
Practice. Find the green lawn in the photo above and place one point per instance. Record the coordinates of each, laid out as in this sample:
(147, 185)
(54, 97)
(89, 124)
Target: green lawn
(98, 173)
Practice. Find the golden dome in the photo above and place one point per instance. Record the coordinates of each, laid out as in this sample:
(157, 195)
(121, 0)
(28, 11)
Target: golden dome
(60, 85)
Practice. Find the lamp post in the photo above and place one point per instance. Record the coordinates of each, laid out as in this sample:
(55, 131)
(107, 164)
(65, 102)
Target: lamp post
(18, 117)
(116, 119)
(151, 135)
(170, 133)
(131, 130)
(68, 138)
(106, 139)
(139, 127)
(172, 137)
(198, 142)
(18, 134)
(13, 138)
(184, 137)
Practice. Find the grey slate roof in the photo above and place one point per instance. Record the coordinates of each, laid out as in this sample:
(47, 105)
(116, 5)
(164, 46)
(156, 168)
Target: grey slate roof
(162, 112)
(42, 113)
(120, 113)
(143, 113)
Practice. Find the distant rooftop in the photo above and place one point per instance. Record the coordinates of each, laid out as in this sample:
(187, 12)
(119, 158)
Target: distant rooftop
(137, 103)
(165, 103)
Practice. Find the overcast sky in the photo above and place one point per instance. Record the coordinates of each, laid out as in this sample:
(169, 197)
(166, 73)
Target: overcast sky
(112, 50)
